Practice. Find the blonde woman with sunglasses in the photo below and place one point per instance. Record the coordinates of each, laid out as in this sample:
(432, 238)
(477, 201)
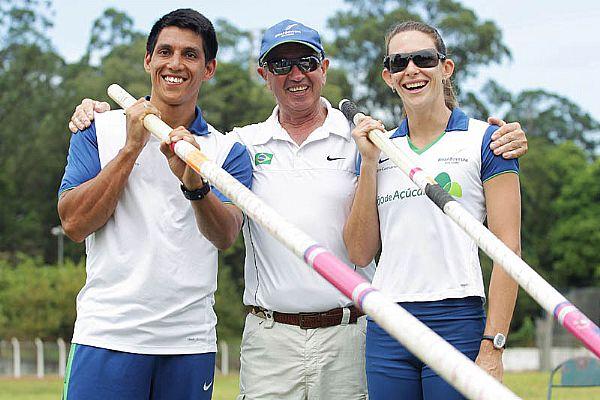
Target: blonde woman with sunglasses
(427, 264)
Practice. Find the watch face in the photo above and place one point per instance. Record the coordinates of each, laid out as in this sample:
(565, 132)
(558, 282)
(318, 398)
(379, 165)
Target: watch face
(499, 341)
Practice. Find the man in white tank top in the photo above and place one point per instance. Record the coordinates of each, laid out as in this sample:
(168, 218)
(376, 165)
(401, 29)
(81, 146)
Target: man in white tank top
(145, 324)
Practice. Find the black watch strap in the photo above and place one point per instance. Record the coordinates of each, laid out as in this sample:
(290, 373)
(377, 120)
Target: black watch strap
(197, 194)
(494, 341)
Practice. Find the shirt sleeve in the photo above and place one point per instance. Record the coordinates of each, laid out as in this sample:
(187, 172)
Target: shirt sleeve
(83, 161)
(238, 165)
(357, 164)
(491, 164)
(358, 160)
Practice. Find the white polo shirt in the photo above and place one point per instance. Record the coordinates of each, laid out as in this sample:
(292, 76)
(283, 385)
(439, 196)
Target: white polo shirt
(425, 255)
(313, 186)
(151, 275)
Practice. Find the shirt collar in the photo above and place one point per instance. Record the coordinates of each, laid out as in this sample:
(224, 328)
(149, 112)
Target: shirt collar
(459, 121)
(335, 123)
(198, 127)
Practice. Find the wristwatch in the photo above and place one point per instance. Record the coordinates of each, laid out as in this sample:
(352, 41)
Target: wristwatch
(197, 194)
(499, 340)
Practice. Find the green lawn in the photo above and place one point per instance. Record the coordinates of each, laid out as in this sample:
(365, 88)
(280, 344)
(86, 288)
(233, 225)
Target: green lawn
(534, 386)
(529, 385)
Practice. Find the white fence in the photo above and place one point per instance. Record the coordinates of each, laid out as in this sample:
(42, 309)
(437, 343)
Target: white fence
(38, 358)
(532, 359)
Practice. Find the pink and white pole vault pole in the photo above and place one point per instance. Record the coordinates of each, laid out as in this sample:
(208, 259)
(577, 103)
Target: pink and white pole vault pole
(452, 365)
(549, 298)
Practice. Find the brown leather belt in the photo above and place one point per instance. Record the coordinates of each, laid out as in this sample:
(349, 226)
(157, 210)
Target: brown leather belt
(309, 320)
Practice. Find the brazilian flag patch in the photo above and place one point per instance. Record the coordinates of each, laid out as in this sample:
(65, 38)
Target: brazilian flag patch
(262, 158)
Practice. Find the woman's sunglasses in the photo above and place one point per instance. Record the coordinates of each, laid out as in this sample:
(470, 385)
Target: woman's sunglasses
(427, 58)
(284, 66)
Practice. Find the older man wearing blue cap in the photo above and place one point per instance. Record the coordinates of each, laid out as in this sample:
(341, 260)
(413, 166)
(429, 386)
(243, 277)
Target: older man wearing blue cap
(302, 339)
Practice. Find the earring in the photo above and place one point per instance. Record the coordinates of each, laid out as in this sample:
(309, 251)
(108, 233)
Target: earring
(393, 90)
(443, 81)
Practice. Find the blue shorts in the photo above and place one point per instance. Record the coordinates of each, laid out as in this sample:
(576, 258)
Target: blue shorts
(395, 373)
(95, 373)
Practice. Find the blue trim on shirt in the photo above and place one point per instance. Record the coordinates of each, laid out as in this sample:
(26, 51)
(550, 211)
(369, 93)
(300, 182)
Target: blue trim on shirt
(198, 127)
(459, 121)
(238, 165)
(358, 163)
(492, 164)
(83, 160)
(402, 129)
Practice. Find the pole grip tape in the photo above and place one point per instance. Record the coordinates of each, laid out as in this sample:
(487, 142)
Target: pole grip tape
(438, 195)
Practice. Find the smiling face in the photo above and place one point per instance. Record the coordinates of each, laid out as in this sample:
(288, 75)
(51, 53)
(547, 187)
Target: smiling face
(177, 67)
(418, 87)
(296, 92)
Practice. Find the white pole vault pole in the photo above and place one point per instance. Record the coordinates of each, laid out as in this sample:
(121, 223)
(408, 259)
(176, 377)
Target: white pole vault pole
(549, 298)
(448, 362)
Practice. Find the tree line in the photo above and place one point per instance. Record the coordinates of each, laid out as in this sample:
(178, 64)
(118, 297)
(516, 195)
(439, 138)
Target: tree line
(560, 177)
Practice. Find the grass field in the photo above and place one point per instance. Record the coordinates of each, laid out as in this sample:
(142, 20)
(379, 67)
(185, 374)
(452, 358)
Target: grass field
(529, 385)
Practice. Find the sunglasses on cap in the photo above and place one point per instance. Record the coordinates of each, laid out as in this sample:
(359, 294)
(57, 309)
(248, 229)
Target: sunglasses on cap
(283, 66)
(427, 58)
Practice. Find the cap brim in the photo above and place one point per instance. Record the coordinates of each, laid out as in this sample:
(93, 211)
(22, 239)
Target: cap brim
(261, 59)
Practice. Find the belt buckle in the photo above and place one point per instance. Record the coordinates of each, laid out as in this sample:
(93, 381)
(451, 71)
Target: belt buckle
(269, 319)
(346, 315)
(304, 318)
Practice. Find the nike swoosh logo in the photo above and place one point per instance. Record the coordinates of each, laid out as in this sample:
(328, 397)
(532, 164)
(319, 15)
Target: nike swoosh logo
(206, 387)
(384, 160)
(329, 158)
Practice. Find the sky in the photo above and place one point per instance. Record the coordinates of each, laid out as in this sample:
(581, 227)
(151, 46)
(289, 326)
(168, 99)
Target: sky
(555, 44)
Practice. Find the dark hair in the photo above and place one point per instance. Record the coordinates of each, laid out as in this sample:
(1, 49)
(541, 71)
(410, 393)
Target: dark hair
(408, 26)
(186, 18)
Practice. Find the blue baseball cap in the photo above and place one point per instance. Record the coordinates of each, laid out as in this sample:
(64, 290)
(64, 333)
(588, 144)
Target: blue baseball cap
(288, 31)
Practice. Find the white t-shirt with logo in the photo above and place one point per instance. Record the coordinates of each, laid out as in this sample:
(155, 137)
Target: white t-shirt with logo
(312, 186)
(425, 255)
